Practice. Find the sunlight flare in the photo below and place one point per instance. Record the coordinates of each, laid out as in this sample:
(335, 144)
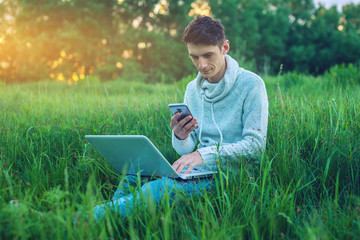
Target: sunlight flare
(119, 65)
(75, 77)
(127, 53)
(63, 54)
(141, 45)
(60, 77)
(200, 7)
(162, 8)
(4, 65)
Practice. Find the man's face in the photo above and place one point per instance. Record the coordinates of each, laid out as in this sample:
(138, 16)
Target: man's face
(209, 59)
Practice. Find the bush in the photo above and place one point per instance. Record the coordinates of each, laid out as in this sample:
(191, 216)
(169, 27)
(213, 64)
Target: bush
(132, 72)
(106, 72)
(344, 75)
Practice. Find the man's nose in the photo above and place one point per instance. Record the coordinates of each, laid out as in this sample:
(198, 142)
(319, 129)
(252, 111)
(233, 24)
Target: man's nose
(202, 63)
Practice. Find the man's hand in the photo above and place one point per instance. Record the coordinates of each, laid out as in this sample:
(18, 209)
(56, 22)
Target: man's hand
(190, 160)
(181, 130)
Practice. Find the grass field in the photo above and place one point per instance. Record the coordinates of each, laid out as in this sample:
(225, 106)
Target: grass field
(307, 185)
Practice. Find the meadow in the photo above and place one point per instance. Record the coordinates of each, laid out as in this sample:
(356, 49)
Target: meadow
(307, 185)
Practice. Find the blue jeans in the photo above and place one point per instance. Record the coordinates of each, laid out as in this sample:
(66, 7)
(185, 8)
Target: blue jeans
(124, 202)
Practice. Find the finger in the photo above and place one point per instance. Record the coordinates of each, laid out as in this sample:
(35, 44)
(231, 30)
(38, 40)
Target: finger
(189, 169)
(180, 166)
(183, 132)
(180, 169)
(183, 165)
(188, 130)
(185, 120)
(176, 164)
(194, 126)
(175, 117)
(191, 126)
(188, 123)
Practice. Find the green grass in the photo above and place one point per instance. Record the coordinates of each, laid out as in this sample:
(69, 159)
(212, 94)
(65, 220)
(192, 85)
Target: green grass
(307, 185)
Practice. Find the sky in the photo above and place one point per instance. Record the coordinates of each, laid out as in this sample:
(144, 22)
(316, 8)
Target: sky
(339, 3)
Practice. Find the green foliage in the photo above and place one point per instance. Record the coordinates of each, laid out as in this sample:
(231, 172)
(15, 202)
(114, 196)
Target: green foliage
(250, 34)
(346, 76)
(165, 61)
(290, 32)
(306, 185)
(69, 40)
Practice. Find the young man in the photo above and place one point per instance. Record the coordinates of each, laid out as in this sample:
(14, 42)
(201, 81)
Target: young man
(228, 103)
(230, 106)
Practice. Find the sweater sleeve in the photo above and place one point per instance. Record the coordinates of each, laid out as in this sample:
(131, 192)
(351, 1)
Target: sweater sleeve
(255, 119)
(185, 146)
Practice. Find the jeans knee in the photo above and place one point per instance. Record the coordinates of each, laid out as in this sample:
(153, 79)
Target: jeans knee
(156, 189)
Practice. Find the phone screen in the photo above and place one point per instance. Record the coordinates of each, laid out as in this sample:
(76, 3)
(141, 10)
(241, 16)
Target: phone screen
(182, 108)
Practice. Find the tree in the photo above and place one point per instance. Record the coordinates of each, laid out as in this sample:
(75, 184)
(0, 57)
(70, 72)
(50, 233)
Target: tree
(60, 37)
(141, 40)
(323, 40)
(274, 27)
(8, 41)
(67, 40)
(257, 29)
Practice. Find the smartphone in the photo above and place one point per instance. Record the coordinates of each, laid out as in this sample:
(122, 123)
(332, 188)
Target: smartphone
(182, 108)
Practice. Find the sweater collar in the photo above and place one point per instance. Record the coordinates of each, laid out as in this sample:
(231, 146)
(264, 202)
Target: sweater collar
(223, 87)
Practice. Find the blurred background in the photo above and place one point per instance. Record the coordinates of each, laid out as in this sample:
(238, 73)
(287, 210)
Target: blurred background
(70, 40)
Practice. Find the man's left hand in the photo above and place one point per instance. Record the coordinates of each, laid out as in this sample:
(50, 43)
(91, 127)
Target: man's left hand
(190, 160)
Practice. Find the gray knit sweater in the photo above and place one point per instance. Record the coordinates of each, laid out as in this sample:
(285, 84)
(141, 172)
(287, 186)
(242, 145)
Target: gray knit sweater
(232, 116)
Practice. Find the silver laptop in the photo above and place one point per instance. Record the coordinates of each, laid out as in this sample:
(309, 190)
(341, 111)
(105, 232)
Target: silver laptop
(132, 154)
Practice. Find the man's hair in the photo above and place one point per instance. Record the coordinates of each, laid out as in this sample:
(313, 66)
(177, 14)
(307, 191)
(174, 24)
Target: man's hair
(204, 30)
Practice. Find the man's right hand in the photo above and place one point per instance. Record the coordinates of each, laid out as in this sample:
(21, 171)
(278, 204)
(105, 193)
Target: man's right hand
(181, 130)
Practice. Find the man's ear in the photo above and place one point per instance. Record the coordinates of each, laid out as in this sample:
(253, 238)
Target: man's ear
(226, 46)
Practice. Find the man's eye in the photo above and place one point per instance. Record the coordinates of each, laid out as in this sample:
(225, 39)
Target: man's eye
(207, 56)
(195, 57)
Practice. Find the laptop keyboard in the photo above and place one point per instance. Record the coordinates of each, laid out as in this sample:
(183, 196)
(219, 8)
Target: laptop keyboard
(194, 170)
